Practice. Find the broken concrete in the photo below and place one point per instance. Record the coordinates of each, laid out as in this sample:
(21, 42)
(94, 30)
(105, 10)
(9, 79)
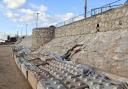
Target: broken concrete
(56, 74)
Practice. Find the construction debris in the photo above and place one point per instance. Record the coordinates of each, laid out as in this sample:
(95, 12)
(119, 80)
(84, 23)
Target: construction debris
(56, 73)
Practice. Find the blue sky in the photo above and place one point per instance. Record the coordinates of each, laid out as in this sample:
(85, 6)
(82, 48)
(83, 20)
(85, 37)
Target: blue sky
(15, 14)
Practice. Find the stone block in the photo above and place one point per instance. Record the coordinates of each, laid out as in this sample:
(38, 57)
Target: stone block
(18, 63)
(32, 79)
(40, 85)
(24, 70)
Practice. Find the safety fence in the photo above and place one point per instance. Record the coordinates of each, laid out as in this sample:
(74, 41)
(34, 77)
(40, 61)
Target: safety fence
(92, 12)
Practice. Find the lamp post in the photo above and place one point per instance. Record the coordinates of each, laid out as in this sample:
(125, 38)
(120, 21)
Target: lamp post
(17, 33)
(85, 9)
(26, 30)
(21, 31)
(37, 14)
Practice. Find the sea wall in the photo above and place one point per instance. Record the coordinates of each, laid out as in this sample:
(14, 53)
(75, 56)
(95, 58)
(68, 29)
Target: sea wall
(101, 39)
(114, 19)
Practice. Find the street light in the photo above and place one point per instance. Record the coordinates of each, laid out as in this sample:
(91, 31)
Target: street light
(21, 31)
(17, 33)
(85, 9)
(37, 19)
(26, 30)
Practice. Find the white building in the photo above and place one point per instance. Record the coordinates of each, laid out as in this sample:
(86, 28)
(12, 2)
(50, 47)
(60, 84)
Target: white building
(3, 37)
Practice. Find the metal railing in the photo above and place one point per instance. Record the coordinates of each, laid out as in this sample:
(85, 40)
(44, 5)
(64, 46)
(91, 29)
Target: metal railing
(91, 13)
(99, 10)
(77, 18)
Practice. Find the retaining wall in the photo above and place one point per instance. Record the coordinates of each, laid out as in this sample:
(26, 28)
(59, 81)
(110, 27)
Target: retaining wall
(104, 37)
(111, 20)
(42, 36)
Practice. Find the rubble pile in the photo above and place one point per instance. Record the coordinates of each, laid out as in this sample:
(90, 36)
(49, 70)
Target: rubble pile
(57, 73)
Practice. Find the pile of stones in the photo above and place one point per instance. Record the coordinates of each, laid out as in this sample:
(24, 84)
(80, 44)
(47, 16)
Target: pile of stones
(55, 74)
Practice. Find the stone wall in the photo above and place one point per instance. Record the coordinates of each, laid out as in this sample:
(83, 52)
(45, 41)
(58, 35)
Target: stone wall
(106, 51)
(114, 19)
(42, 36)
(103, 38)
(26, 42)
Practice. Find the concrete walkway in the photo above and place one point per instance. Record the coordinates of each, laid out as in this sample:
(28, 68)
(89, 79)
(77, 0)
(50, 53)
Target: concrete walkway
(10, 76)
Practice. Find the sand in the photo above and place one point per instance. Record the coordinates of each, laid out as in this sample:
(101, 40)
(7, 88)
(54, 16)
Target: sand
(10, 76)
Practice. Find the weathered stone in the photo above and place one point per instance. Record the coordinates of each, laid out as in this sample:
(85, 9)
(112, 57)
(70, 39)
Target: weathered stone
(24, 70)
(42, 36)
(40, 85)
(18, 63)
(99, 50)
(32, 79)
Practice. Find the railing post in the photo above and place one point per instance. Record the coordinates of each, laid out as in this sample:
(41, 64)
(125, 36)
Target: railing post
(72, 20)
(101, 9)
(91, 12)
(64, 22)
(94, 11)
(110, 6)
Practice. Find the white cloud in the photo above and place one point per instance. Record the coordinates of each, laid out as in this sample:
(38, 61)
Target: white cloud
(78, 18)
(27, 11)
(12, 15)
(13, 4)
(66, 16)
(42, 8)
(28, 15)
